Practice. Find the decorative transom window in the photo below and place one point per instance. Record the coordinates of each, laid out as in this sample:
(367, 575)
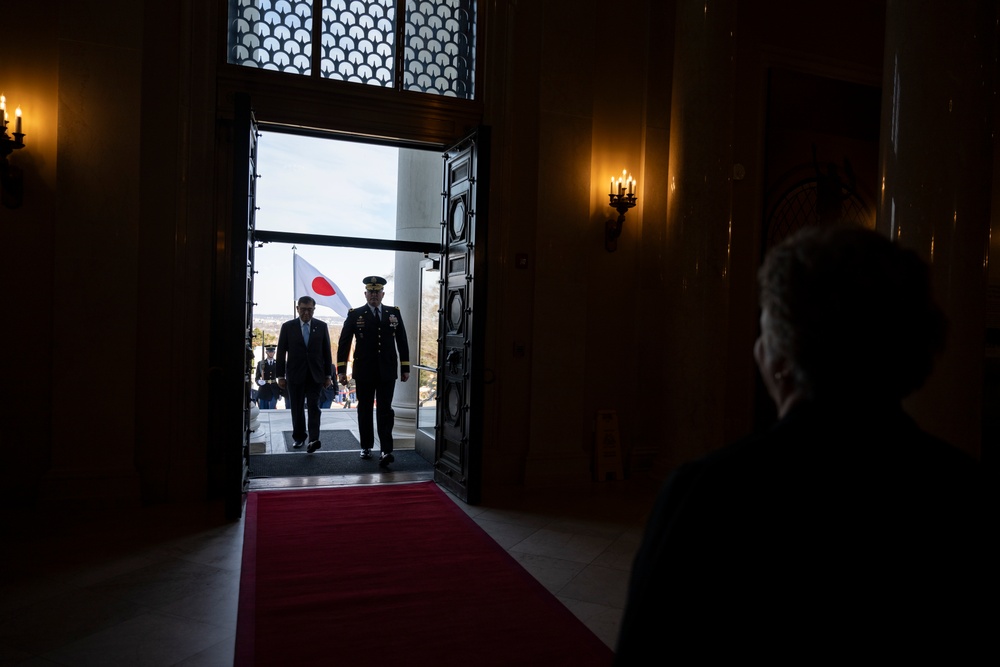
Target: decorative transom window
(358, 41)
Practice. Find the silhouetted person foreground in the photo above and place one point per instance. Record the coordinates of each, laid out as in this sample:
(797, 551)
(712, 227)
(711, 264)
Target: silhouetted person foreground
(845, 532)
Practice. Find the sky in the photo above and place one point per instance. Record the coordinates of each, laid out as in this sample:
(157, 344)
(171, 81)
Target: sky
(321, 186)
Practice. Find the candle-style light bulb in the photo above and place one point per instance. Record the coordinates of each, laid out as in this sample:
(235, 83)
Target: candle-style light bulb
(17, 120)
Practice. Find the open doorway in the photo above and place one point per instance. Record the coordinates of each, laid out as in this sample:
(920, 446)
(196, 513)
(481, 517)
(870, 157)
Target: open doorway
(461, 218)
(340, 211)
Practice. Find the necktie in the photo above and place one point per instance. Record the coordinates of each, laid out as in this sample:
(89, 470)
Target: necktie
(377, 318)
(305, 332)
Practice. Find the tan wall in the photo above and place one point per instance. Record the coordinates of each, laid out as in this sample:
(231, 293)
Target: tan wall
(118, 251)
(581, 103)
(73, 253)
(29, 78)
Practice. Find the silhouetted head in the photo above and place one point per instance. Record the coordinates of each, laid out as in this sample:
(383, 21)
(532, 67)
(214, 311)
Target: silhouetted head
(846, 314)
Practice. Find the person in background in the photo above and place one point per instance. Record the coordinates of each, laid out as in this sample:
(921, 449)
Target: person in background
(845, 532)
(349, 394)
(377, 331)
(304, 368)
(267, 381)
(327, 395)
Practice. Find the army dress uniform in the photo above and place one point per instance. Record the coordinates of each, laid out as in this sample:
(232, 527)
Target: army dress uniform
(267, 383)
(376, 367)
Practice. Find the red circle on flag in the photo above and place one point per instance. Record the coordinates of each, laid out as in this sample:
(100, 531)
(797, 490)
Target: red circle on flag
(322, 286)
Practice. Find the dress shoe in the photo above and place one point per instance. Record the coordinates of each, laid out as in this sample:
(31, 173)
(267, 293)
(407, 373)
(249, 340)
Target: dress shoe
(297, 444)
(385, 460)
(313, 446)
(366, 454)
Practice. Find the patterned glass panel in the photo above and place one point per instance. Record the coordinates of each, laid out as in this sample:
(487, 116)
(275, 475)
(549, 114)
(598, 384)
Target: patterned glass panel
(271, 34)
(440, 47)
(359, 39)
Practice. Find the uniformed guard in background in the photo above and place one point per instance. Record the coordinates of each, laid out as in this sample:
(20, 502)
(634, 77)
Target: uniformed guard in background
(377, 332)
(267, 381)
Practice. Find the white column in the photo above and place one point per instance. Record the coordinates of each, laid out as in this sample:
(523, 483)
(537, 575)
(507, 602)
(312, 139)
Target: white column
(418, 218)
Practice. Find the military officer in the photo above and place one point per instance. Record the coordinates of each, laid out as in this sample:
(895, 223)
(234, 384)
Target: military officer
(378, 332)
(267, 381)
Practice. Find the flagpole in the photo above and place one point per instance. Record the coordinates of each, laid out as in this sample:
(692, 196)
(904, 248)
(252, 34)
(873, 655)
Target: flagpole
(294, 282)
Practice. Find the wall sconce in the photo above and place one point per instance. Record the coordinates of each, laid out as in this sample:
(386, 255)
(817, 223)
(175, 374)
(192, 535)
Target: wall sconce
(11, 178)
(623, 198)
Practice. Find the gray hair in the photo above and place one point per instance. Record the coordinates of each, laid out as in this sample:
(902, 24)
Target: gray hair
(852, 313)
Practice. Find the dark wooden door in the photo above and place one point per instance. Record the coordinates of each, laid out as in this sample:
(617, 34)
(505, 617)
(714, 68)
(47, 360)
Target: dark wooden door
(458, 446)
(236, 380)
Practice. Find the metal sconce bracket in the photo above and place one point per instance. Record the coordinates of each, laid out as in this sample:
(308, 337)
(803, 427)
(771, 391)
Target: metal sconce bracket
(11, 178)
(613, 228)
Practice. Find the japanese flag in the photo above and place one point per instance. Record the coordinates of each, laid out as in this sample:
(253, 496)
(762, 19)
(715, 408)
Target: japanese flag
(310, 282)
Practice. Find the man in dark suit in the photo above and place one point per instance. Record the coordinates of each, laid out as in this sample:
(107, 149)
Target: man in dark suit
(304, 367)
(267, 381)
(844, 533)
(378, 331)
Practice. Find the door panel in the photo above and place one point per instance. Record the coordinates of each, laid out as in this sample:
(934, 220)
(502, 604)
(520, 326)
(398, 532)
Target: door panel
(457, 464)
(427, 365)
(238, 325)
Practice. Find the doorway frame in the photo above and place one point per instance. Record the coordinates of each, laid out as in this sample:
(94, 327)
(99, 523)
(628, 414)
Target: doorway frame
(425, 248)
(234, 508)
(330, 109)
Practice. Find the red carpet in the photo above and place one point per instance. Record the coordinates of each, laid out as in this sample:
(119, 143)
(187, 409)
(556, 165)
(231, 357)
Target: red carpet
(392, 575)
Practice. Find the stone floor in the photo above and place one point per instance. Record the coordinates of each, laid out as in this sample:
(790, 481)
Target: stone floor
(159, 586)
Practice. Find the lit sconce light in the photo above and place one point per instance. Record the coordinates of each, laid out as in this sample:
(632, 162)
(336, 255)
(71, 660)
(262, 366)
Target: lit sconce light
(11, 179)
(623, 198)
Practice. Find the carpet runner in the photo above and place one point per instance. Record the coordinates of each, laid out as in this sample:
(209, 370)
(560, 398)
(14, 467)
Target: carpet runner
(340, 440)
(337, 456)
(322, 463)
(392, 575)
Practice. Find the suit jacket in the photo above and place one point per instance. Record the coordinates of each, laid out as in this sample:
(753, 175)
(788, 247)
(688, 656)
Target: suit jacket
(296, 362)
(375, 344)
(840, 530)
